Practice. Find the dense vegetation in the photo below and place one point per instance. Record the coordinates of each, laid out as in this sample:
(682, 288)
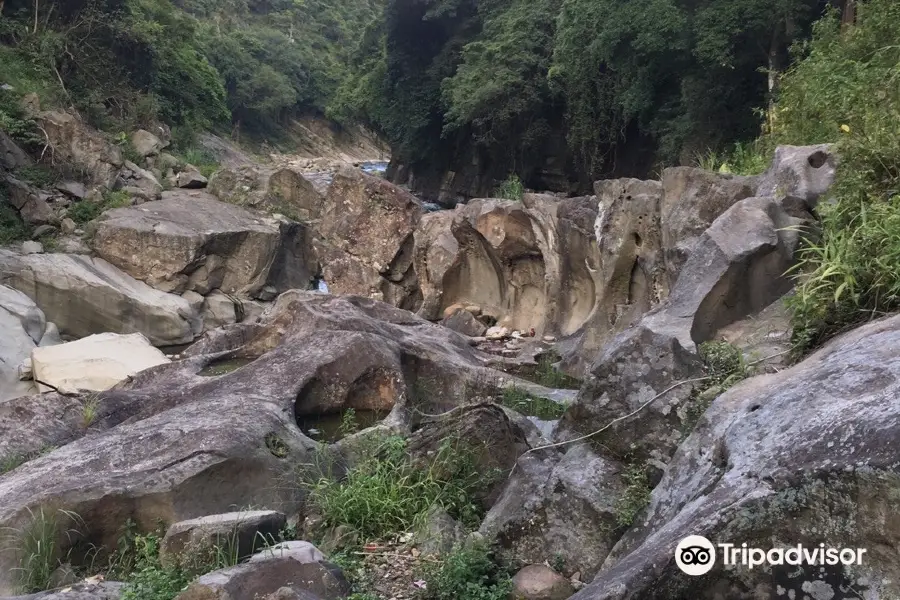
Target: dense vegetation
(847, 89)
(194, 64)
(610, 86)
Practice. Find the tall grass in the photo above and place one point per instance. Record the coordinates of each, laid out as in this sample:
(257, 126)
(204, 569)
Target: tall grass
(37, 545)
(388, 493)
(847, 89)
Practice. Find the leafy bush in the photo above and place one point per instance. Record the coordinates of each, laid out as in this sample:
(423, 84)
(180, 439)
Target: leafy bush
(387, 493)
(848, 88)
(150, 580)
(469, 572)
(511, 189)
(724, 362)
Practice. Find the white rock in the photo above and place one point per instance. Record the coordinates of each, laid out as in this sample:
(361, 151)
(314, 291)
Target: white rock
(32, 247)
(497, 333)
(302, 552)
(95, 363)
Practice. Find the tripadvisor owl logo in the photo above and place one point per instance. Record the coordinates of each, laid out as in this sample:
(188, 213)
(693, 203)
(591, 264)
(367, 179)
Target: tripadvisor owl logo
(695, 555)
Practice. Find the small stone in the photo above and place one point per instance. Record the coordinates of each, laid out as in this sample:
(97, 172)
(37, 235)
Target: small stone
(68, 226)
(497, 333)
(43, 230)
(539, 582)
(73, 189)
(267, 294)
(549, 339)
(32, 247)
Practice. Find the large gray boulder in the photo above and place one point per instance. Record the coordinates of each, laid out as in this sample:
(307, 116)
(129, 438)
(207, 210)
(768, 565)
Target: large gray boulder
(242, 533)
(259, 580)
(808, 455)
(84, 295)
(190, 241)
(692, 199)
(108, 590)
(558, 507)
(22, 326)
(174, 444)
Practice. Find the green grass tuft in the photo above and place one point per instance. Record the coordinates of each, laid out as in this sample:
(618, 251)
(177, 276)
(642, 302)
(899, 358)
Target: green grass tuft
(386, 493)
(532, 406)
(511, 189)
(468, 572)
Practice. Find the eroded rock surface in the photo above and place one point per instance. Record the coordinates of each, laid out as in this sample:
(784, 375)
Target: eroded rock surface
(173, 444)
(807, 455)
(85, 295)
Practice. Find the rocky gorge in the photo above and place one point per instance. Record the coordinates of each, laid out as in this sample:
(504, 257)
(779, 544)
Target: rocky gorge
(170, 363)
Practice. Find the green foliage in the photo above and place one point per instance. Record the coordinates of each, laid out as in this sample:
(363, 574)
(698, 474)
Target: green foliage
(387, 493)
(201, 158)
(13, 461)
(37, 545)
(348, 422)
(749, 158)
(636, 496)
(37, 175)
(724, 362)
(522, 402)
(847, 88)
(150, 580)
(85, 211)
(549, 376)
(469, 572)
(12, 228)
(511, 189)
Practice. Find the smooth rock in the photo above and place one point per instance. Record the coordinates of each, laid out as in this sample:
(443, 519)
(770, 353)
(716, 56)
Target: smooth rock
(95, 363)
(538, 582)
(241, 532)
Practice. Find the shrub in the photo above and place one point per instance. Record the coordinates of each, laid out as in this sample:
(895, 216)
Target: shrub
(469, 572)
(724, 362)
(150, 580)
(387, 493)
(511, 189)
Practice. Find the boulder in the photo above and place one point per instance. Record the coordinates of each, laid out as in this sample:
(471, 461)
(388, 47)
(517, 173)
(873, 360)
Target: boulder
(635, 368)
(300, 551)
(107, 590)
(21, 327)
(558, 507)
(95, 363)
(182, 440)
(219, 309)
(32, 247)
(84, 295)
(464, 322)
(806, 456)
(139, 182)
(294, 196)
(799, 174)
(11, 156)
(73, 189)
(243, 185)
(32, 207)
(190, 179)
(241, 533)
(539, 582)
(75, 143)
(145, 143)
(484, 430)
(366, 229)
(190, 241)
(692, 199)
(252, 581)
(440, 534)
(736, 268)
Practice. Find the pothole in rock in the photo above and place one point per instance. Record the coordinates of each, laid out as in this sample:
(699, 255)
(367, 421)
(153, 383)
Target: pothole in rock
(223, 367)
(334, 426)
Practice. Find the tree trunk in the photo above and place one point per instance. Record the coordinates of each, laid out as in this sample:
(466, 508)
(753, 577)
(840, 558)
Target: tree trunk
(36, 9)
(848, 14)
